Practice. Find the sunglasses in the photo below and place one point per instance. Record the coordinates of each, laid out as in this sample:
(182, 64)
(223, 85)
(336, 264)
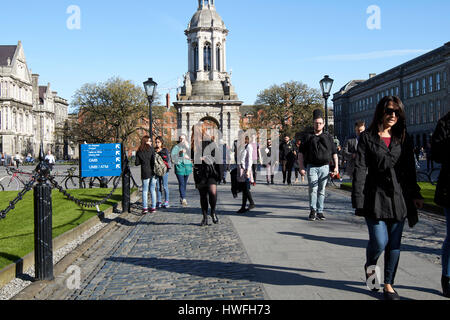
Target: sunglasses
(390, 112)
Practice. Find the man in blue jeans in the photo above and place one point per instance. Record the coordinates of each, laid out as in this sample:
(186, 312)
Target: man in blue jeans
(316, 152)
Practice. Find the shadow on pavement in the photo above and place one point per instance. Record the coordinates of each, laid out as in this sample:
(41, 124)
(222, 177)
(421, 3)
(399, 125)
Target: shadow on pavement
(357, 243)
(272, 275)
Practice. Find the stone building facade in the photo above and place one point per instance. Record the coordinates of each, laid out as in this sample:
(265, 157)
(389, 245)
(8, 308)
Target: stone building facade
(29, 113)
(422, 85)
(207, 93)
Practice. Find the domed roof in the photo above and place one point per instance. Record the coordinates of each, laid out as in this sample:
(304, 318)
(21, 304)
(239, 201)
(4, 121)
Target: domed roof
(206, 18)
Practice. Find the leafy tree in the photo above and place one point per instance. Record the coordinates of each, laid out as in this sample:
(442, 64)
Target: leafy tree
(289, 106)
(112, 111)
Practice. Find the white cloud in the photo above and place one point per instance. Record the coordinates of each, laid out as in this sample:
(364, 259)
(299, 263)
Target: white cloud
(369, 55)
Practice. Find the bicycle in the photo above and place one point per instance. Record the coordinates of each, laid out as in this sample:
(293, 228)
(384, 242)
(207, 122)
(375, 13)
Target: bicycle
(13, 180)
(98, 182)
(430, 176)
(72, 181)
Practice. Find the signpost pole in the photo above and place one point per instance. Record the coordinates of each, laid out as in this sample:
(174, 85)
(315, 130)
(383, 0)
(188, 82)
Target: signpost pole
(126, 182)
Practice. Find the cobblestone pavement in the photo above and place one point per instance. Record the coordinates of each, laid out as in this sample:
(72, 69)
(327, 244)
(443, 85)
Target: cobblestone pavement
(272, 252)
(164, 256)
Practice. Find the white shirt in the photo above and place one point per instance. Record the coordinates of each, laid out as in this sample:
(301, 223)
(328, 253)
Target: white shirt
(50, 158)
(246, 157)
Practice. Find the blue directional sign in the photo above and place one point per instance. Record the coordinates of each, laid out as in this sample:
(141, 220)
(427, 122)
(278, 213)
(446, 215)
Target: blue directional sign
(101, 160)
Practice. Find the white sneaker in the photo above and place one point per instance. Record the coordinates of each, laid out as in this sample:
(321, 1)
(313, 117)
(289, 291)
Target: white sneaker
(184, 203)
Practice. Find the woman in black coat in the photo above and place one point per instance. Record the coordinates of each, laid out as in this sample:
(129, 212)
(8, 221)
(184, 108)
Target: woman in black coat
(145, 157)
(385, 190)
(440, 145)
(208, 170)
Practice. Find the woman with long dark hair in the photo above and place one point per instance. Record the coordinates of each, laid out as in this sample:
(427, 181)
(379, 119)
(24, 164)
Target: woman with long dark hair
(385, 191)
(163, 182)
(181, 158)
(145, 157)
(208, 170)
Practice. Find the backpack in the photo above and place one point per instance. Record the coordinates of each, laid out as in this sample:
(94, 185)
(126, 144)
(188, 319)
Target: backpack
(160, 166)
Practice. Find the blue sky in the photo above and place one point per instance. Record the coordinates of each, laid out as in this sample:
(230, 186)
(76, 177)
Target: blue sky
(270, 42)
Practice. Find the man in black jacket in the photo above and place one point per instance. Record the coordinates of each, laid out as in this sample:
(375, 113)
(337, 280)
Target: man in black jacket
(351, 148)
(440, 145)
(287, 158)
(316, 152)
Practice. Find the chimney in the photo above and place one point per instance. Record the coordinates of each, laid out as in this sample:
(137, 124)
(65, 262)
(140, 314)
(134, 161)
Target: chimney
(168, 101)
(372, 75)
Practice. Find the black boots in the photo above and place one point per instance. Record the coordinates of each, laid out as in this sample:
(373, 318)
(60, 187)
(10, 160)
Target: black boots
(205, 220)
(214, 217)
(445, 281)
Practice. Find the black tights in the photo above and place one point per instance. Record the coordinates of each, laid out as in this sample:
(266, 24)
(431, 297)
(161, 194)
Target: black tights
(211, 193)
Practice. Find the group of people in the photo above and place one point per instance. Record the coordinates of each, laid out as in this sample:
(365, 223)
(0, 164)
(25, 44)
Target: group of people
(17, 159)
(380, 161)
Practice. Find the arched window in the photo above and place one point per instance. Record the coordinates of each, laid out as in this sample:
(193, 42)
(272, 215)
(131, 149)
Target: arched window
(196, 62)
(207, 57)
(218, 59)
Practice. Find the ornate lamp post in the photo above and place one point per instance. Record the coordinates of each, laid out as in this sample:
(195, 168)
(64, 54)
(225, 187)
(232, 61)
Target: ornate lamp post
(150, 90)
(326, 83)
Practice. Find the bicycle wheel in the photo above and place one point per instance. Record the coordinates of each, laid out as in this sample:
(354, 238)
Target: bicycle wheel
(73, 183)
(94, 183)
(115, 181)
(14, 185)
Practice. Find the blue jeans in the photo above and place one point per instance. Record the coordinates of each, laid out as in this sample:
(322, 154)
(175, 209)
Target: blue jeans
(163, 183)
(146, 184)
(182, 183)
(446, 247)
(384, 235)
(317, 180)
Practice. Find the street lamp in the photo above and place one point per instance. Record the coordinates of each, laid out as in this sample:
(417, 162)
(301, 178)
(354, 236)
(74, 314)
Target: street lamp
(326, 84)
(150, 90)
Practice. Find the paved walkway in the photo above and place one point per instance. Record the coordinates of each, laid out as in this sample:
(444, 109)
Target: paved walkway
(273, 252)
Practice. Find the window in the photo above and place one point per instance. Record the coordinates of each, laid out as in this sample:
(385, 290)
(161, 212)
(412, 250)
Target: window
(392, 91)
(207, 57)
(424, 112)
(431, 112)
(438, 81)
(438, 109)
(218, 58)
(397, 91)
(424, 86)
(196, 66)
(444, 78)
(417, 88)
(411, 90)
(430, 84)
(417, 114)
(411, 115)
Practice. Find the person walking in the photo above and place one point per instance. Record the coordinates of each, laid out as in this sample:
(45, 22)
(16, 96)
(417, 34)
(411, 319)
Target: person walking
(351, 147)
(287, 159)
(256, 156)
(429, 156)
(183, 166)
(163, 182)
(297, 145)
(50, 159)
(315, 154)
(145, 158)
(3, 159)
(208, 170)
(246, 175)
(18, 160)
(385, 191)
(268, 162)
(440, 144)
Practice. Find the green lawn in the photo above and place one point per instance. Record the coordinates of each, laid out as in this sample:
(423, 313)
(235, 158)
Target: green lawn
(427, 191)
(17, 229)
